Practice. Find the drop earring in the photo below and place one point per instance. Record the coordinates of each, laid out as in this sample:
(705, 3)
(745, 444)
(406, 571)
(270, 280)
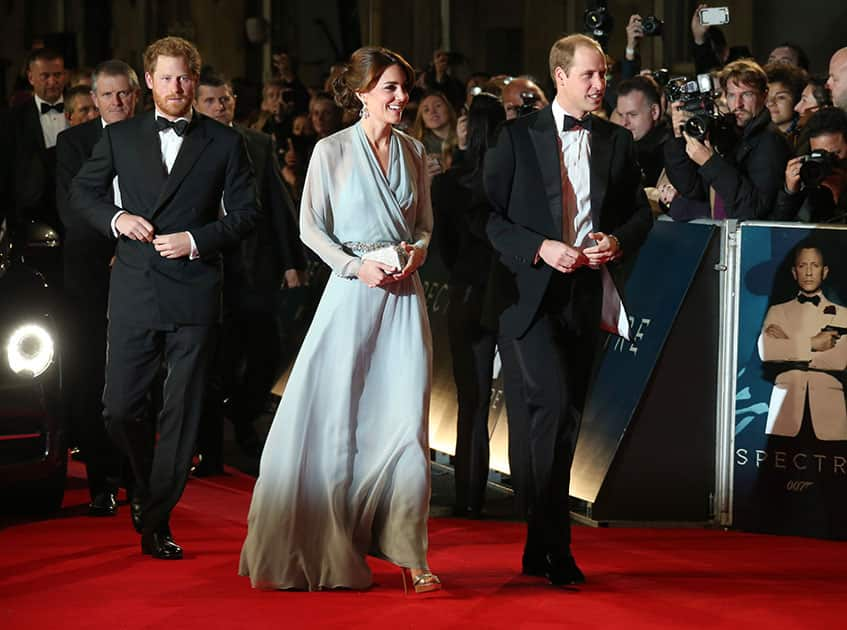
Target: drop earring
(364, 111)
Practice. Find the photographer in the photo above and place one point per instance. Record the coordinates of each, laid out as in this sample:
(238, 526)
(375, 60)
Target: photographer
(711, 50)
(636, 29)
(519, 94)
(276, 111)
(746, 175)
(815, 183)
(438, 78)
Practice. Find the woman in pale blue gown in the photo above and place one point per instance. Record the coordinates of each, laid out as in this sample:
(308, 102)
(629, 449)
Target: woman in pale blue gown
(345, 469)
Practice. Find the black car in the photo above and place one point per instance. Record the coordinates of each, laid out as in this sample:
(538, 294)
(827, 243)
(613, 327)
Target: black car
(33, 438)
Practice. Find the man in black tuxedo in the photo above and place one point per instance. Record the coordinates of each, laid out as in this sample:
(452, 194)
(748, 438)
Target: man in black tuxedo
(567, 205)
(254, 271)
(28, 136)
(173, 167)
(87, 254)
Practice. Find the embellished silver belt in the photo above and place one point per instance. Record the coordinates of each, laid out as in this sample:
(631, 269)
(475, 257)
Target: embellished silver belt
(361, 247)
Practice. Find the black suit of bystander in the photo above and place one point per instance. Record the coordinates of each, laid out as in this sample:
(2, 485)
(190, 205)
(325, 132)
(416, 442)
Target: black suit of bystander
(87, 254)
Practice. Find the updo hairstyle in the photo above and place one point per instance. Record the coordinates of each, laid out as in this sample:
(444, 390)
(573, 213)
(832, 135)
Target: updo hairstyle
(362, 72)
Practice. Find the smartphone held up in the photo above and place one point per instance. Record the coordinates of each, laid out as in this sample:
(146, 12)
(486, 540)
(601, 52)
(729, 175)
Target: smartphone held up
(713, 16)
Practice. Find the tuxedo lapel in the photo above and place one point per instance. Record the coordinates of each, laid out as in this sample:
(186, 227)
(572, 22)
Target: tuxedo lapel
(193, 144)
(32, 122)
(601, 157)
(151, 169)
(545, 140)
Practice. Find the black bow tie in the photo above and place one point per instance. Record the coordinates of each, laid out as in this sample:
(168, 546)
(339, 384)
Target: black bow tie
(179, 126)
(814, 299)
(575, 124)
(46, 107)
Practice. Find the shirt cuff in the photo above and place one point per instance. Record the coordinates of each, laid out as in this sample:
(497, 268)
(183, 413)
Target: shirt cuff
(195, 254)
(114, 222)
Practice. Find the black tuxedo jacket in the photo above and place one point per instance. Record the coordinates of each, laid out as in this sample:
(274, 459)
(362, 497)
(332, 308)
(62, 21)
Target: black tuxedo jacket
(523, 182)
(73, 148)
(27, 167)
(262, 257)
(86, 251)
(146, 289)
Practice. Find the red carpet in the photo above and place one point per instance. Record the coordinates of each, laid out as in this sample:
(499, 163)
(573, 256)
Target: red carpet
(78, 572)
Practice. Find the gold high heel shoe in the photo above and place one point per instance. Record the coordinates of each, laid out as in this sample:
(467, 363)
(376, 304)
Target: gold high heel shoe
(425, 582)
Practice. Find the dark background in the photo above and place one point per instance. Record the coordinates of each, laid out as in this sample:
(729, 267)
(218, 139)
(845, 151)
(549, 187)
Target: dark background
(500, 36)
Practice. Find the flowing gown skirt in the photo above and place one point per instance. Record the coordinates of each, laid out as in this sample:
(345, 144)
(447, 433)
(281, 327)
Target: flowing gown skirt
(345, 469)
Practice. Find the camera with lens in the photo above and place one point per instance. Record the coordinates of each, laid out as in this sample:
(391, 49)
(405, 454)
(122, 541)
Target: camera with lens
(598, 22)
(661, 76)
(529, 100)
(817, 166)
(698, 97)
(651, 26)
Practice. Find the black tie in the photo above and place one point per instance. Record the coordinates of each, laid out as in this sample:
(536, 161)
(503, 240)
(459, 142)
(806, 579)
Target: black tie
(814, 299)
(46, 107)
(179, 126)
(575, 124)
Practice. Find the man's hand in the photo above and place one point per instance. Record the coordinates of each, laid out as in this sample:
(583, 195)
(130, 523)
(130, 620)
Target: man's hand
(792, 174)
(775, 331)
(667, 193)
(697, 29)
(606, 250)
(561, 257)
(824, 340)
(294, 278)
(678, 118)
(134, 227)
(699, 152)
(634, 33)
(173, 245)
(375, 274)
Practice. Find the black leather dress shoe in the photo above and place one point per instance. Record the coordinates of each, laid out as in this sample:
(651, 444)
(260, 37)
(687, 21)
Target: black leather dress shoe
(136, 512)
(103, 504)
(562, 570)
(160, 545)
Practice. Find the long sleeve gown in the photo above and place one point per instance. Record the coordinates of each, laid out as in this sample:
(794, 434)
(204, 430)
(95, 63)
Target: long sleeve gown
(345, 469)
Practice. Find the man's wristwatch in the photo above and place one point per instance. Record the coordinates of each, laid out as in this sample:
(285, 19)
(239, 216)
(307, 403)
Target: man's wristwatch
(617, 241)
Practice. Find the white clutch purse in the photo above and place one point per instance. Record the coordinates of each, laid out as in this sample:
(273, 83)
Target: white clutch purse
(392, 255)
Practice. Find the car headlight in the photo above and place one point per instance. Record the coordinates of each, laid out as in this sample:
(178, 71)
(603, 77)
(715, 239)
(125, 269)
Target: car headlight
(30, 349)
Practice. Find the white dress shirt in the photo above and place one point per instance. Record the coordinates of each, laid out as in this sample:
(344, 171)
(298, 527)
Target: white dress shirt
(576, 206)
(170, 144)
(52, 122)
(576, 197)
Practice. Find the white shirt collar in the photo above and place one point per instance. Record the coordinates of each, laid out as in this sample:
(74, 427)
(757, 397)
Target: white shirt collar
(559, 115)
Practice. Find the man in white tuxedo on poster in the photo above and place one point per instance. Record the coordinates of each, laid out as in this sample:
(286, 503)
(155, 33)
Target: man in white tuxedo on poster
(803, 339)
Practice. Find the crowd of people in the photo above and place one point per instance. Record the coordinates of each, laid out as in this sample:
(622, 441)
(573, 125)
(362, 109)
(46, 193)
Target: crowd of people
(533, 199)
